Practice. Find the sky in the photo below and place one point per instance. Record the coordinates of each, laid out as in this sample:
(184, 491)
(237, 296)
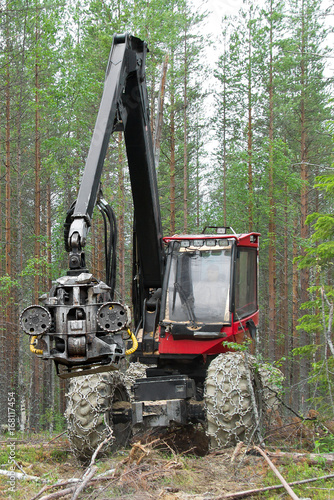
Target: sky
(219, 8)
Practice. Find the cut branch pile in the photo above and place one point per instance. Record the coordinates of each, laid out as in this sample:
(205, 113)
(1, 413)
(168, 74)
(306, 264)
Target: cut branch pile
(144, 467)
(135, 472)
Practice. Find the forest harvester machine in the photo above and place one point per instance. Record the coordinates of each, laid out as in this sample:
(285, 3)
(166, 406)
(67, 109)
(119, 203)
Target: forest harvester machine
(194, 298)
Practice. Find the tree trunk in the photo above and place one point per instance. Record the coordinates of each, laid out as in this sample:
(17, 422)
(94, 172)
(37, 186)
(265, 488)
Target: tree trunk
(35, 393)
(198, 133)
(224, 145)
(272, 228)
(284, 330)
(304, 233)
(7, 327)
(185, 140)
(48, 234)
(294, 372)
(250, 129)
(159, 117)
(172, 157)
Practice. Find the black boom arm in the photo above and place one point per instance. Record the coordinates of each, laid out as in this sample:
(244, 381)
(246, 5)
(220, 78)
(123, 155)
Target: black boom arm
(124, 106)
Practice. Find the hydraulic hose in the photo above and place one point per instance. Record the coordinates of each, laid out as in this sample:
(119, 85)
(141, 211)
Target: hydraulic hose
(33, 348)
(134, 344)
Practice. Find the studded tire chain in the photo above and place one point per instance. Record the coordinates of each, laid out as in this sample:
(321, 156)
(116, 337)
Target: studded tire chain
(228, 401)
(230, 416)
(271, 381)
(89, 403)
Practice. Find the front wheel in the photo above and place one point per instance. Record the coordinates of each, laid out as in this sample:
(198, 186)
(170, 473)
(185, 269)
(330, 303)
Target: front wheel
(90, 400)
(228, 400)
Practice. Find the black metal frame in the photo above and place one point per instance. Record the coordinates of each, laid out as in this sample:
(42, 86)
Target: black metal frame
(124, 106)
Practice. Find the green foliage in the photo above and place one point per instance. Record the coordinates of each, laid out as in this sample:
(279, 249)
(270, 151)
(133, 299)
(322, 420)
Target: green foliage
(305, 351)
(59, 455)
(297, 471)
(53, 418)
(6, 285)
(321, 377)
(35, 266)
(234, 346)
(325, 444)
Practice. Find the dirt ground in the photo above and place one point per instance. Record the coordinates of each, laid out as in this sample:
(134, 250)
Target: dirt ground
(171, 466)
(146, 471)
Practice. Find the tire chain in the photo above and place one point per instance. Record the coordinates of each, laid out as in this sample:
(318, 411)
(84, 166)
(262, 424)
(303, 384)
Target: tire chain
(230, 416)
(272, 379)
(89, 400)
(228, 398)
(134, 371)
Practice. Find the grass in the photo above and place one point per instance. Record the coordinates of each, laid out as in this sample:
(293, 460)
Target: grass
(160, 471)
(320, 490)
(36, 458)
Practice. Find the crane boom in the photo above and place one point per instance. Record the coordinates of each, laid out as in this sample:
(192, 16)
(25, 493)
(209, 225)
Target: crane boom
(123, 106)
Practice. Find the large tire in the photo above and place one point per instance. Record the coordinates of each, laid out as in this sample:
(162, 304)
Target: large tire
(234, 385)
(272, 381)
(134, 371)
(228, 400)
(90, 399)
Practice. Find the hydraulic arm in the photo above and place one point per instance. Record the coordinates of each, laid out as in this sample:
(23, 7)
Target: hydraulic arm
(123, 107)
(79, 325)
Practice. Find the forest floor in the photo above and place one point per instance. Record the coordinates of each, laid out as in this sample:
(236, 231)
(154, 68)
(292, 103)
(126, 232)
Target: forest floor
(175, 465)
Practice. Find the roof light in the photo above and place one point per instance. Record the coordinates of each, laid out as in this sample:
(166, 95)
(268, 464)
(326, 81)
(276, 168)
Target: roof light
(223, 243)
(210, 243)
(198, 243)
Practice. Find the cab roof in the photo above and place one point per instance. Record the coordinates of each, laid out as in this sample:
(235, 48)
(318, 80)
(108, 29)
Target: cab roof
(247, 239)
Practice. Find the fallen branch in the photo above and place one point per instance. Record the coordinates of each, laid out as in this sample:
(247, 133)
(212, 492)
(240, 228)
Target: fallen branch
(237, 451)
(100, 477)
(98, 449)
(248, 493)
(59, 435)
(21, 475)
(309, 457)
(277, 473)
(75, 489)
(92, 469)
(133, 471)
(58, 494)
(82, 486)
(19, 467)
(56, 485)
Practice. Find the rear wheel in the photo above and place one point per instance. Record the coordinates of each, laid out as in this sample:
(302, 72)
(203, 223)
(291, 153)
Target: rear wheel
(90, 401)
(234, 385)
(272, 380)
(228, 400)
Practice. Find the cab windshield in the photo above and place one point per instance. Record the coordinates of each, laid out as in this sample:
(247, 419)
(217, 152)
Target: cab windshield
(199, 285)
